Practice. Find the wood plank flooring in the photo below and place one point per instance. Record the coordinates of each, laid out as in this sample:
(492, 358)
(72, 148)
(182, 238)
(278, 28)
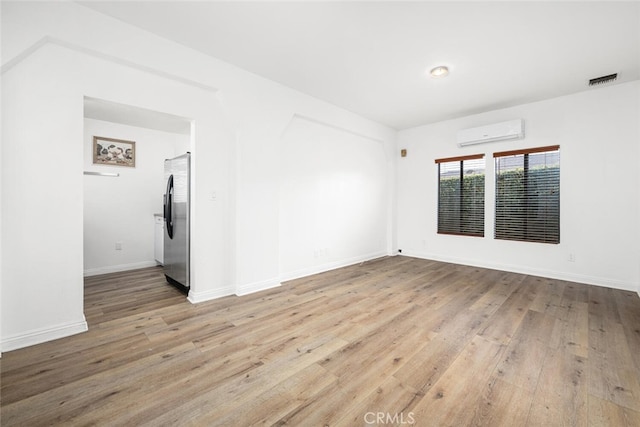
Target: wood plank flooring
(393, 341)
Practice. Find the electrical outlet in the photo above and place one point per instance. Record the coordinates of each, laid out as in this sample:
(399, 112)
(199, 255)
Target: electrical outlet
(118, 246)
(572, 257)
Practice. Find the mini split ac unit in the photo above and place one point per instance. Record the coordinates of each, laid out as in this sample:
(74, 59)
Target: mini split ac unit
(513, 129)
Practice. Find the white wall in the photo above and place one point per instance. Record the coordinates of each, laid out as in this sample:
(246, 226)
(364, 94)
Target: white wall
(43, 209)
(55, 54)
(121, 209)
(1, 204)
(598, 134)
(333, 198)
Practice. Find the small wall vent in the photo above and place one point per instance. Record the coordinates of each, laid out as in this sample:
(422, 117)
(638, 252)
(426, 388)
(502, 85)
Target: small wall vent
(603, 79)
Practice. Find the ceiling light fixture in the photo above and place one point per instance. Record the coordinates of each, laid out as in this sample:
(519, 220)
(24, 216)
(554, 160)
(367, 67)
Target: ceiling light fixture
(440, 71)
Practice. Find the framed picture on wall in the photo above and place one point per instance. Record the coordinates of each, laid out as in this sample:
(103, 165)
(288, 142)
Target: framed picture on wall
(114, 152)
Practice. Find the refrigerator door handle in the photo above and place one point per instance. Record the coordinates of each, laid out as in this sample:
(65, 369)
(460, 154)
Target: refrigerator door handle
(168, 207)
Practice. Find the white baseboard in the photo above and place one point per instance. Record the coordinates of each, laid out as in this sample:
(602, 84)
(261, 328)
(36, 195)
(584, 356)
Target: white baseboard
(257, 287)
(240, 290)
(321, 268)
(118, 268)
(570, 277)
(197, 297)
(39, 336)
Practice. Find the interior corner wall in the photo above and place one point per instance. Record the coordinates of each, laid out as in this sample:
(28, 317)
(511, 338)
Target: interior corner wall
(121, 209)
(598, 134)
(265, 241)
(333, 198)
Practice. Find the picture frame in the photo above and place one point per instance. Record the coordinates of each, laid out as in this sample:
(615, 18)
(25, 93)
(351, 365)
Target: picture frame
(114, 152)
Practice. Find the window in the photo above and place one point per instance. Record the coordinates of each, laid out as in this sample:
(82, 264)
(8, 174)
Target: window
(461, 195)
(528, 195)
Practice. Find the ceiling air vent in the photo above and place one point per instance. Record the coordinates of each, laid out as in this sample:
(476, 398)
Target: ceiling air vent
(603, 79)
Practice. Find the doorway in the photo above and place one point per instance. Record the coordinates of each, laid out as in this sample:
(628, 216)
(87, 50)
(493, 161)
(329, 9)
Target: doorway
(122, 201)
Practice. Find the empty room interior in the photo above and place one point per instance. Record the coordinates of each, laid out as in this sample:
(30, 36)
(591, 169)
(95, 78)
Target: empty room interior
(349, 213)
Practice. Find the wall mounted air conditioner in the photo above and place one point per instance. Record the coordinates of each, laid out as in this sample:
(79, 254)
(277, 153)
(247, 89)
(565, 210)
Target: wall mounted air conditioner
(513, 129)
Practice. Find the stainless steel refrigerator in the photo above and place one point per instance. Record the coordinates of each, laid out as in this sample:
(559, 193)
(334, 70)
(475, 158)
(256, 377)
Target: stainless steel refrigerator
(177, 172)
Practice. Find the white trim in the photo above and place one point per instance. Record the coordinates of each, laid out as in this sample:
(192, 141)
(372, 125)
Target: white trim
(303, 272)
(114, 59)
(329, 125)
(118, 268)
(250, 288)
(198, 297)
(559, 275)
(24, 55)
(39, 336)
(257, 286)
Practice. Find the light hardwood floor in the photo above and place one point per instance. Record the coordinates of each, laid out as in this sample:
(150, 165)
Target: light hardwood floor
(394, 341)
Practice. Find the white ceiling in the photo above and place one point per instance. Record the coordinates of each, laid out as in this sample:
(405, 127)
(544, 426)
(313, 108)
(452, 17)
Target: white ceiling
(370, 57)
(114, 112)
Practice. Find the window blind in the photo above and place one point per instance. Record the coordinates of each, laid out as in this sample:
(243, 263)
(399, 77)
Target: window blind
(461, 195)
(528, 195)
